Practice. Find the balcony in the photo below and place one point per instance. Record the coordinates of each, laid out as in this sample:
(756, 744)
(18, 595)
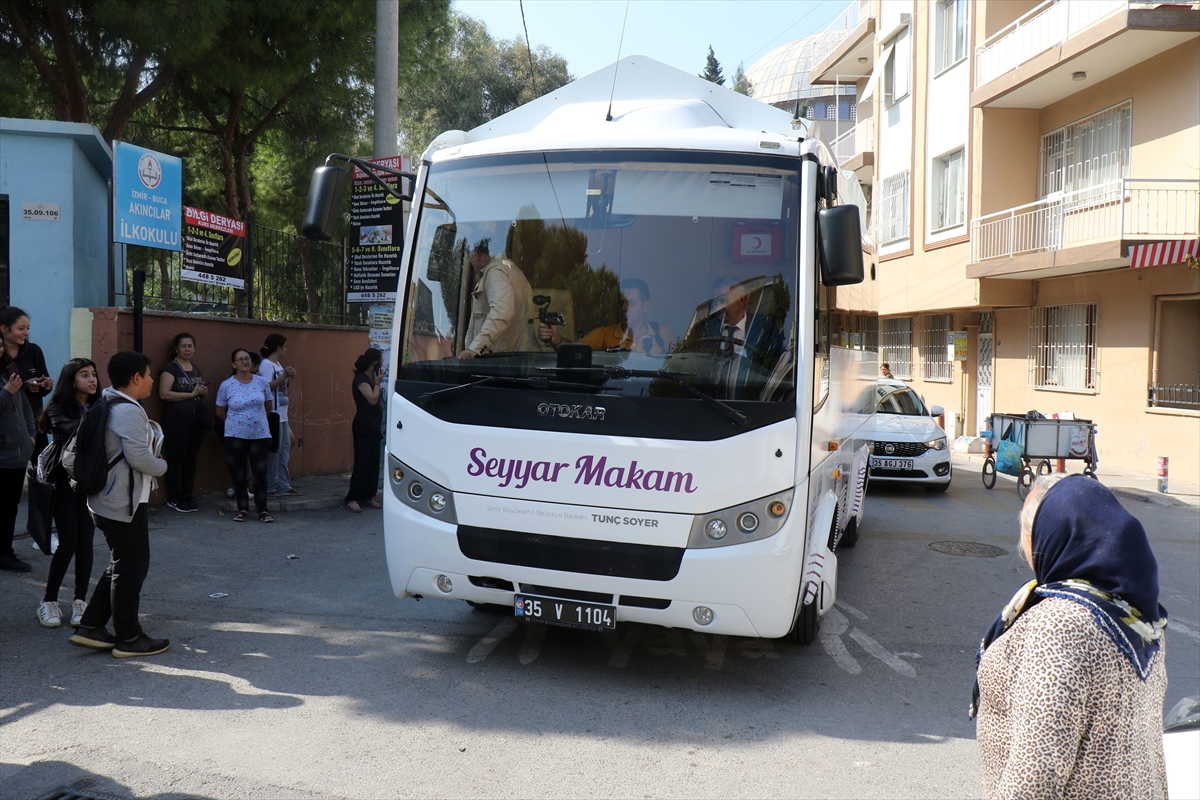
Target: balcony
(855, 149)
(845, 50)
(1063, 46)
(1083, 231)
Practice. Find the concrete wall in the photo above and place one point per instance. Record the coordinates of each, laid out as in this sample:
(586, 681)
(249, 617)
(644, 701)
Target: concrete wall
(321, 407)
(1131, 435)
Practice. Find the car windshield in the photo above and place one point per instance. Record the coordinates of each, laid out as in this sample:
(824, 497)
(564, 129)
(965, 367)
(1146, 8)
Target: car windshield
(526, 264)
(899, 400)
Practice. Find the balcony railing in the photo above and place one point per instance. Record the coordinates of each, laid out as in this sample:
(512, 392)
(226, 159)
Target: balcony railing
(1130, 208)
(857, 140)
(1045, 26)
(1174, 395)
(841, 27)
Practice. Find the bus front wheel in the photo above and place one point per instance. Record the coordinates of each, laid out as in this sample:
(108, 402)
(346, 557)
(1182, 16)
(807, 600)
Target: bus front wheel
(807, 625)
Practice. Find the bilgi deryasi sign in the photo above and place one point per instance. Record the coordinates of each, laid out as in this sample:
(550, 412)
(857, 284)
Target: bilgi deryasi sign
(214, 248)
(147, 198)
(377, 235)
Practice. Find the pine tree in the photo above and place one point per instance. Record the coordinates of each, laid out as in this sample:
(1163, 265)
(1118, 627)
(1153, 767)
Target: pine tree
(712, 69)
(742, 84)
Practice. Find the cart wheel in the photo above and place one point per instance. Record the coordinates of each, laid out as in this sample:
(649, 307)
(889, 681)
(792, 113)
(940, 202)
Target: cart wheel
(1091, 473)
(989, 472)
(1044, 468)
(1024, 481)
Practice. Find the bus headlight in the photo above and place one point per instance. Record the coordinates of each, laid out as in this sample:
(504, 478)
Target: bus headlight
(419, 493)
(754, 520)
(437, 501)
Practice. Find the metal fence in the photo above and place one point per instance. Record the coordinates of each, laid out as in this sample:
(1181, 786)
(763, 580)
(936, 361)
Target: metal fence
(1174, 395)
(289, 279)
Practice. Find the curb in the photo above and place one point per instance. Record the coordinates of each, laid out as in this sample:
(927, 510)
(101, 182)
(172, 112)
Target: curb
(1143, 496)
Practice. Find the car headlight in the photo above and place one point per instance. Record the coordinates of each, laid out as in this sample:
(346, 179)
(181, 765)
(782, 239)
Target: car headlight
(937, 444)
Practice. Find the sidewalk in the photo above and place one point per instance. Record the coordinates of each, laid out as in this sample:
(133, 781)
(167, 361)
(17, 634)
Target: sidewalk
(316, 492)
(1126, 485)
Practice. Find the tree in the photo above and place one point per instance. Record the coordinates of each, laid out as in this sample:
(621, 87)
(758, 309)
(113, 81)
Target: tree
(741, 83)
(476, 79)
(99, 61)
(712, 69)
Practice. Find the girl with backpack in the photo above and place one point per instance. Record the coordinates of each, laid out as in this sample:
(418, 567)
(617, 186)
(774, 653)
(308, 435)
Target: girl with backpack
(78, 387)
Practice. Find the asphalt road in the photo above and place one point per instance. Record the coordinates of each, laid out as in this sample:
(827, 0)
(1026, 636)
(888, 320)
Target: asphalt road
(310, 680)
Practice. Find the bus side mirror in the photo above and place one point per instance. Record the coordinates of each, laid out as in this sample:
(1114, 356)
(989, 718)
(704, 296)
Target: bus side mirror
(839, 240)
(324, 199)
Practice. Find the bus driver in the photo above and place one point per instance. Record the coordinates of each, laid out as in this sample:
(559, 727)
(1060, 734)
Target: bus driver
(634, 333)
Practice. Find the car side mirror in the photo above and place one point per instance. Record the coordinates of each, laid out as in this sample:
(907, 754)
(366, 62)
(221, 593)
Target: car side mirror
(839, 241)
(936, 411)
(324, 199)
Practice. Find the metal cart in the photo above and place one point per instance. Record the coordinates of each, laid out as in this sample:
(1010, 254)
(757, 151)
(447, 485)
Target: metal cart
(1042, 439)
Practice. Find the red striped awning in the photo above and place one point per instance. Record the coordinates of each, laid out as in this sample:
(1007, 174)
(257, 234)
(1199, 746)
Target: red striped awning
(1159, 253)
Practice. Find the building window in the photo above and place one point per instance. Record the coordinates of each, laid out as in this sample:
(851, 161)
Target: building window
(1175, 374)
(895, 345)
(1062, 347)
(1089, 152)
(831, 110)
(951, 45)
(853, 110)
(949, 189)
(892, 211)
(896, 69)
(935, 361)
(867, 327)
(809, 112)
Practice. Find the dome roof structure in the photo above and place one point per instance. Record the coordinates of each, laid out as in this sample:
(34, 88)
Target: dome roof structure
(783, 74)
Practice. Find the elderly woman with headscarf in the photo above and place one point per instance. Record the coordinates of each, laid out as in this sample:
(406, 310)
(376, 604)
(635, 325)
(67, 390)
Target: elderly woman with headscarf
(1071, 675)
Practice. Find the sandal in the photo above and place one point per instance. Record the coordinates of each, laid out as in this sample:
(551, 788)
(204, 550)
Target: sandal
(353, 507)
(241, 516)
(265, 517)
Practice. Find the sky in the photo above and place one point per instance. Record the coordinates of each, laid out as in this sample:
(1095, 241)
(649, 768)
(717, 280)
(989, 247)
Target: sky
(675, 32)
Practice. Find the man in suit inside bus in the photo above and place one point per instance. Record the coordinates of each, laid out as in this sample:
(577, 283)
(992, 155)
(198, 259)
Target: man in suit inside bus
(743, 334)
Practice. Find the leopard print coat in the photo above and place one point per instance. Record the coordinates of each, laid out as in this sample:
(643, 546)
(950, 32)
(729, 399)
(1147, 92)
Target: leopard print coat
(1062, 714)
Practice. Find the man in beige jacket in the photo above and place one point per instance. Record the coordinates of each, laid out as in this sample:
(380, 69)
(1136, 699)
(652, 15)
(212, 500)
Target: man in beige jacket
(500, 306)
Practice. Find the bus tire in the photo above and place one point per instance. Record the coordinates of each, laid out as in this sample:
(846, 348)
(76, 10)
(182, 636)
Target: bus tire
(807, 625)
(850, 535)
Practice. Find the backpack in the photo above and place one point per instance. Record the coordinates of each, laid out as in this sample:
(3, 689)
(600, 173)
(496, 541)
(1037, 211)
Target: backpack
(83, 455)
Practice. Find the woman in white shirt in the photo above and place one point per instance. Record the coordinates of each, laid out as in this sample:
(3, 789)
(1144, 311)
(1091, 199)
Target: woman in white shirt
(279, 480)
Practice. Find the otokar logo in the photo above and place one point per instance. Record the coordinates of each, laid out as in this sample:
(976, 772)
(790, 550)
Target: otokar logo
(571, 412)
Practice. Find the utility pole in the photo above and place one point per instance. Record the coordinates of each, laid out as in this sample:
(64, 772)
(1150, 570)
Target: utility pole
(387, 38)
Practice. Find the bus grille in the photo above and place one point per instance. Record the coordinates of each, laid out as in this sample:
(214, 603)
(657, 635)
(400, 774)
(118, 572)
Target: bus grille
(587, 556)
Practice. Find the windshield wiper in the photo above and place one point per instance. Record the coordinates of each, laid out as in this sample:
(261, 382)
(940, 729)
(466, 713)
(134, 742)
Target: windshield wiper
(533, 381)
(724, 409)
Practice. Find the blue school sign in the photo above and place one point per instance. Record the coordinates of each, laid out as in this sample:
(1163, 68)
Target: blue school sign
(147, 198)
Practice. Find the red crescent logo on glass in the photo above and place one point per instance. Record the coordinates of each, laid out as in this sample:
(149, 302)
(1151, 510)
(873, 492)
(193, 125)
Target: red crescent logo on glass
(757, 243)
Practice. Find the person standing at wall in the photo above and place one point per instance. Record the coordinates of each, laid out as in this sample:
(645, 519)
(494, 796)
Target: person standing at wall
(78, 388)
(243, 401)
(131, 446)
(185, 418)
(31, 364)
(368, 431)
(280, 378)
(17, 436)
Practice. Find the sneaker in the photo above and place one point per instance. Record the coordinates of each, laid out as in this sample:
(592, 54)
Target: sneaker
(174, 505)
(94, 638)
(141, 646)
(48, 614)
(191, 504)
(13, 564)
(77, 609)
(229, 492)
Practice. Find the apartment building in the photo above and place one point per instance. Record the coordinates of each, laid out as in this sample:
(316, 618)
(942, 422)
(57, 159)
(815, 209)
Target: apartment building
(1034, 174)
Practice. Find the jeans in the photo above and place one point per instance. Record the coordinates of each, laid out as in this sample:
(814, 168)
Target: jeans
(118, 593)
(236, 452)
(12, 481)
(76, 538)
(364, 481)
(278, 477)
(182, 437)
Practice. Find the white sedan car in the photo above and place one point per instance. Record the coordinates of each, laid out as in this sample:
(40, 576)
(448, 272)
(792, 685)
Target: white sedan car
(910, 447)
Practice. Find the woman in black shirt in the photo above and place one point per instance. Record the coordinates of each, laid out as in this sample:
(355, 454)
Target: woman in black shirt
(30, 361)
(184, 395)
(78, 387)
(368, 430)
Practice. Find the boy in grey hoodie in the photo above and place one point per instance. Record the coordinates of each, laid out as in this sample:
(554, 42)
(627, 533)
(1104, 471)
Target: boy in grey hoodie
(120, 512)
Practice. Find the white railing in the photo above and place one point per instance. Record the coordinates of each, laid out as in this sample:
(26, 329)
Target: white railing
(1047, 25)
(859, 139)
(1131, 208)
(841, 27)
